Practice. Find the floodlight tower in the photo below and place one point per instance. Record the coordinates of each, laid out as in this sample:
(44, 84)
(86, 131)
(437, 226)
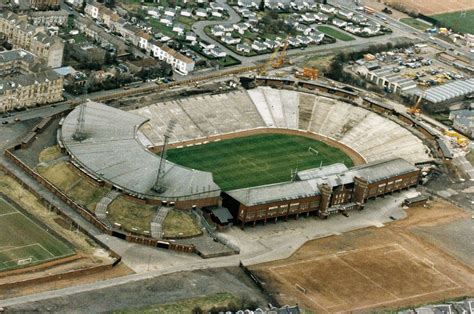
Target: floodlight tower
(80, 134)
(159, 185)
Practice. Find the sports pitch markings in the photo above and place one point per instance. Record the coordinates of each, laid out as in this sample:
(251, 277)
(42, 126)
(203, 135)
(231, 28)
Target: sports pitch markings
(24, 242)
(370, 274)
(257, 159)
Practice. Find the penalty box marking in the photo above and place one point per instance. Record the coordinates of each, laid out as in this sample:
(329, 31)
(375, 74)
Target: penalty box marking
(396, 247)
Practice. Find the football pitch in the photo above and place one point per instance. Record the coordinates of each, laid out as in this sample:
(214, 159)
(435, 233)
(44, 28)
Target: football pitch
(24, 242)
(258, 159)
(459, 21)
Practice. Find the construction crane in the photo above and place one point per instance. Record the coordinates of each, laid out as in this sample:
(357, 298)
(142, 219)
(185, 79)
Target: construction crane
(416, 110)
(276, 60)
(307, 74)
(277, 63)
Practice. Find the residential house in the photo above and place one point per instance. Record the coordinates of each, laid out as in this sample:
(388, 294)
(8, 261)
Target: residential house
(170, 12)
(218, 52)
(201, 13)
(251, 4)
(178, 28)
(321, 17)
(345, 13)
(339, 23)
(92, 9)
(32, 38)
(241, 27)
(354, 29)
(190, 36)
(258, 46)
(228, 39)
(179, 62)
(304, 40)
(143, 39)
(186, 12)
(216, 13)
(327, 9)
(166, 20)
(308, 17)
(217, 30)
(48, 18)
(245, 48)
(29, 90)
(216, 6)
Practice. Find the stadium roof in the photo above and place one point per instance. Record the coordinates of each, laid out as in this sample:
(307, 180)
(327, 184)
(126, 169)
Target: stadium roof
(284, 191)
(448, 91)
(321, 172)
(334, 175)
(113, 153)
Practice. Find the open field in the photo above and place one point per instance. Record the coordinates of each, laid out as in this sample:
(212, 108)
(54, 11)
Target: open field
(373, 268)
(257, 160)
(180, 224)
(416, 23)
(24, 242)
(459, 21)
(64, 177)
(335, 33)
(430, 7)
(206, 303)
(131, 215)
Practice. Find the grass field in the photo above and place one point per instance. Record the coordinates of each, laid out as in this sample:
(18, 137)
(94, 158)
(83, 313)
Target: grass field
(63, 176)
(335, 33)
(131, 215)
(258, 159)
(180, 224)
(23, 242)
(205, 303)
(416, 23)
(458, 21)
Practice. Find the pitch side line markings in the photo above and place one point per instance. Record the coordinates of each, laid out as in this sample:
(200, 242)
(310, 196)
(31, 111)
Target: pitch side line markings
(11, 213)
(337, 254)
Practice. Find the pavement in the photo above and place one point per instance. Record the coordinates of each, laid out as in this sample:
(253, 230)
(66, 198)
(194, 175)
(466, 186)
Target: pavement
(260, 244)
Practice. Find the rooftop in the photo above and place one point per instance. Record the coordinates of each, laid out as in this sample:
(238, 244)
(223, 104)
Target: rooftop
(113, 153)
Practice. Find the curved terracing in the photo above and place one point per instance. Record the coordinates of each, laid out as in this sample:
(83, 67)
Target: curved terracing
(110, 151)
(370, 135)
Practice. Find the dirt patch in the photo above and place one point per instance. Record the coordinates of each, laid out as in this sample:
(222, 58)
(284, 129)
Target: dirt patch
(85, 247)
(374, 268)
(79, 188)
(49, 154)
(131, 215)
(180, 224)
(430, 7)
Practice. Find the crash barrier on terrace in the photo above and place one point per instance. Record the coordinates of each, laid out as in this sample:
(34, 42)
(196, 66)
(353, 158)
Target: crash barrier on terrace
(373, 105)
(84, 212)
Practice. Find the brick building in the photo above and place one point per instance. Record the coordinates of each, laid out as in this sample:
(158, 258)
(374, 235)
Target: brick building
(321, 191)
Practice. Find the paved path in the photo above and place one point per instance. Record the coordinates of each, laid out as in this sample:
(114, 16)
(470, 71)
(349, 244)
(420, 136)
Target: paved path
(234, 18)
(264, 243)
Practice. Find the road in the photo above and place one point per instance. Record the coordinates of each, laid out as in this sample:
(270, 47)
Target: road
(358, 43)
(396, 24)
(265, 243)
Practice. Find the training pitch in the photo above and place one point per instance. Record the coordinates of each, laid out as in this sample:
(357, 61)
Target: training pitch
(24, 242)
(258, 159)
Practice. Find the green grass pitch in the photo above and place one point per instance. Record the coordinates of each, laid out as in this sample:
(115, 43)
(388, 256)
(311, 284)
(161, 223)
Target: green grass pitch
(256, 160)
(460, 21)
(23, 242)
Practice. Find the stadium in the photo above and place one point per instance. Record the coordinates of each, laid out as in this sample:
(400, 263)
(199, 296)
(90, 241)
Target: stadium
(263, 153)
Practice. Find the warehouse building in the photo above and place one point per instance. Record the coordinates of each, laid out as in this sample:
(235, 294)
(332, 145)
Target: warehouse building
(436, 98)
(321, 191)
